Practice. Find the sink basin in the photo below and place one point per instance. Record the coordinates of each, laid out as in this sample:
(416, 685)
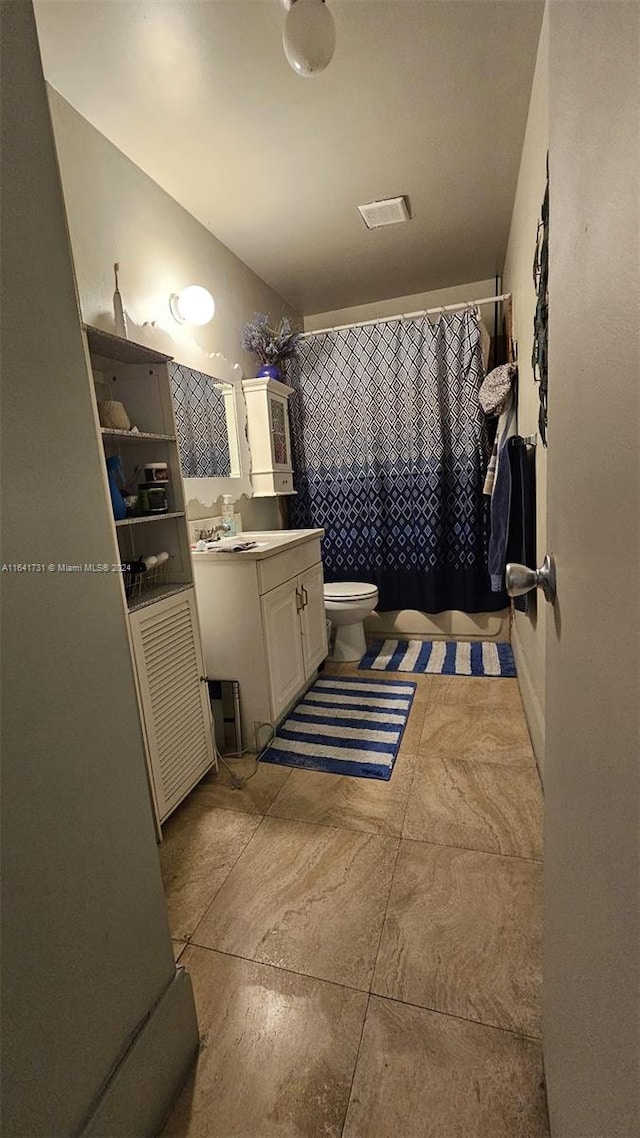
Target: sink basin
(231, 542)
(265, 542)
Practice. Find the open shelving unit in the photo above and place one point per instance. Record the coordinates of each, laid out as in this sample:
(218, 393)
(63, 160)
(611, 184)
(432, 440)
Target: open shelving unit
(162, 618)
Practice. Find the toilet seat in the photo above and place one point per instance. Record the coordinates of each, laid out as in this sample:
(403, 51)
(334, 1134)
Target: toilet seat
(346, 592)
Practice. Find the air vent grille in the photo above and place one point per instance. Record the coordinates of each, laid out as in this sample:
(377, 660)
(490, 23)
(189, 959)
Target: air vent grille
(391, 211)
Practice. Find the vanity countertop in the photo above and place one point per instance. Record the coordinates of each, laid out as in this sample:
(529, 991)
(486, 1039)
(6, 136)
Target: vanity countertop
(268, 543)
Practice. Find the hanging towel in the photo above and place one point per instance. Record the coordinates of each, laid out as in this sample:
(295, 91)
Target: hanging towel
(521, 543)
(497, 397)
(501, 499)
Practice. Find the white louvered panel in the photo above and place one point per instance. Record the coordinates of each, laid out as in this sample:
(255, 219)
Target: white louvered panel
(174, 698)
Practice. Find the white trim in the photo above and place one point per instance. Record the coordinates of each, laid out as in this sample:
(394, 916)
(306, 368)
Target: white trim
(533, 711)
(149, 1076)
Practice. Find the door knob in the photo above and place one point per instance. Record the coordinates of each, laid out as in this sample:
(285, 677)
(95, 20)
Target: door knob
(520, 579)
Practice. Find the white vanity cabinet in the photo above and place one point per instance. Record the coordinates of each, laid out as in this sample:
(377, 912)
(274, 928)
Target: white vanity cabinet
(268, 434)
(295, 631)
(263, 623)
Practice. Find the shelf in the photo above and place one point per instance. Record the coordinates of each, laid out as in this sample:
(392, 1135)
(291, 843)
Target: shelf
(124, 351)
(141, 436)
(150, 518)
(159, 593)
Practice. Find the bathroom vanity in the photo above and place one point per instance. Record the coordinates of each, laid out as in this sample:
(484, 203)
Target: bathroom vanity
(263, 622)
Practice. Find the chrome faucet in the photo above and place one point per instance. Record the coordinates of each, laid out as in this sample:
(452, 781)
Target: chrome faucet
(214, 534)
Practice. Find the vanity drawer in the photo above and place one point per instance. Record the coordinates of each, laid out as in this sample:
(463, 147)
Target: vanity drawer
(273, 571)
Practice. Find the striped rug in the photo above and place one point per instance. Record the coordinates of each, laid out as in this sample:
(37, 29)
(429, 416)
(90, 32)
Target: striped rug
(345, 725)
(441, 657)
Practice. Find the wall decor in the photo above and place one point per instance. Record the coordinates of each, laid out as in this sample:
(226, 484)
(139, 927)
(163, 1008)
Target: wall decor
(539, 357)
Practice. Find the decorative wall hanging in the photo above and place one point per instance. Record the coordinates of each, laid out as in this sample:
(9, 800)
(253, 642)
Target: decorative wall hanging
(539, 357)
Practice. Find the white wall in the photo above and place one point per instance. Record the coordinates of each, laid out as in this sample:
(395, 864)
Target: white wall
(117, 213)
(529, 630)
(417, 302)
(86, 952)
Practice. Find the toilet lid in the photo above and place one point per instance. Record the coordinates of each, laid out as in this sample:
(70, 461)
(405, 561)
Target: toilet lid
(349, 591)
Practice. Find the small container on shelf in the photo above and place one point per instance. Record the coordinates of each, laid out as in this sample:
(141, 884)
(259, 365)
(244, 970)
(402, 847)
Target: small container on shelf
(152, 498)
(156, 472)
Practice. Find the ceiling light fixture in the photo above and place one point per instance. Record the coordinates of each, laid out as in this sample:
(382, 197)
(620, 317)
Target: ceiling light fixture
(309, 36)
(192, 305)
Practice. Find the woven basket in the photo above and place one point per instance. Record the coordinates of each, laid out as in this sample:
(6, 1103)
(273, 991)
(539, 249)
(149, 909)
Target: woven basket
(113, 416)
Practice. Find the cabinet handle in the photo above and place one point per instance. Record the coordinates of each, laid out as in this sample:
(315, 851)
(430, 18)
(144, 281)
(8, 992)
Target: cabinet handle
(305, 596)
(299, 601)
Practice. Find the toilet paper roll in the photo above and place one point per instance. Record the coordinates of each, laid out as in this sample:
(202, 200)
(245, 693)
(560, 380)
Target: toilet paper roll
(162, 557)
(149, 562)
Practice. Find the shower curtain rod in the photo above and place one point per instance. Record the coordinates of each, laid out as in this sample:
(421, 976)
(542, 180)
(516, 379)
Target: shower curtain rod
(412, 315)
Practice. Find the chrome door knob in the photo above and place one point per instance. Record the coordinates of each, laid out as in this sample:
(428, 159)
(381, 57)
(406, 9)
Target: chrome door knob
(520, 579)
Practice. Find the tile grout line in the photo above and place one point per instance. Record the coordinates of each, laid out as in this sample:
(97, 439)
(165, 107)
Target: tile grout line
(355, 1065)
(188, 939)
(363, 992)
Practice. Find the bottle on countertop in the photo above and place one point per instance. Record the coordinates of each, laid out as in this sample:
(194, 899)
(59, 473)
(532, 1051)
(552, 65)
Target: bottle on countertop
(228, 515)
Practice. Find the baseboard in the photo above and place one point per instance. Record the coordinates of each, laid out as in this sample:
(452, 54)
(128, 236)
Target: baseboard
(138, 1096)
(532, 709)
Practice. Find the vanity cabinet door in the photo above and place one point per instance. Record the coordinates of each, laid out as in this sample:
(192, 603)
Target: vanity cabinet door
(313, 618)
(281, 622)
(174, 696)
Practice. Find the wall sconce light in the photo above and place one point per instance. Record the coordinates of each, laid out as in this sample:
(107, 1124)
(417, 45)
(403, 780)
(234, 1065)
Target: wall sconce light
(309, 36)
(192, 305)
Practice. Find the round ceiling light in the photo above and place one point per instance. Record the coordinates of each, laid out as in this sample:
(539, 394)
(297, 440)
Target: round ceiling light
(192, 305)
(309, 36)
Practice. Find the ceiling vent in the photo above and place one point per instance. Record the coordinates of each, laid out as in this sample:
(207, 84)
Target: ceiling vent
(388, 212)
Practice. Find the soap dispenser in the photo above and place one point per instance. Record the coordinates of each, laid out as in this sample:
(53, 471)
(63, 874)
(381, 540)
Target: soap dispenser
(228, 516)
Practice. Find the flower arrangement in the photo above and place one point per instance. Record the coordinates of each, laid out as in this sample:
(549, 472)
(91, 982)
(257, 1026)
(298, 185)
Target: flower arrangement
(272, 346)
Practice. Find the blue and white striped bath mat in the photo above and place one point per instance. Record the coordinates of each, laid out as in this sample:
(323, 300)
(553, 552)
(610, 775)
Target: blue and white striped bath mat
(345, 725)
(441, 657)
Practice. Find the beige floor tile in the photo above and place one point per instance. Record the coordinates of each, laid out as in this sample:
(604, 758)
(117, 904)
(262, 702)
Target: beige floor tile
(423, 1075)
(308, 898)
(367, 804)
(462, 935)
(498, 735)
(479, 806)
(201, 845)
(278, 1052)
(412, 733)
(253, 798)
(472, 691)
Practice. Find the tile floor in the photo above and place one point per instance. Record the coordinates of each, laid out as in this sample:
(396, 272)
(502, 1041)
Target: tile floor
(365, 956)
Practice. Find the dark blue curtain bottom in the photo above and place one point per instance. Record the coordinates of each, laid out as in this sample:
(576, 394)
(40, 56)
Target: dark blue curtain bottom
(465, 590)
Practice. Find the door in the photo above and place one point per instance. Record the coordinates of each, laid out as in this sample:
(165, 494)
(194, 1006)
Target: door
(281, 620)
(174, 696)
(279, 431)
(592, 875)
(313, 618)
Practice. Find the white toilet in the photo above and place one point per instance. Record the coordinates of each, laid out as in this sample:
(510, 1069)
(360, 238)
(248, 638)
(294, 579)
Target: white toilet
(347, 603)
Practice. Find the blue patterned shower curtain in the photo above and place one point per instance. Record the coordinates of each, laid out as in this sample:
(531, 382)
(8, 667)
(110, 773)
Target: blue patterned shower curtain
(390, 449)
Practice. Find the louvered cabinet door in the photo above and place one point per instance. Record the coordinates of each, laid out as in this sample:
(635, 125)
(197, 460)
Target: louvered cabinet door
(174, 696)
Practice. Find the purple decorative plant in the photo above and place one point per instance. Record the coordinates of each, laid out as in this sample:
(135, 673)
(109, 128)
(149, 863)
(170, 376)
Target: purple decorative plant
(270, 345)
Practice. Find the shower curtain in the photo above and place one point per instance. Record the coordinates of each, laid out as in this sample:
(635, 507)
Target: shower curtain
(390, 449)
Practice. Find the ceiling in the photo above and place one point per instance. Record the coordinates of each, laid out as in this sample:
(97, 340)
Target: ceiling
(422, 97)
